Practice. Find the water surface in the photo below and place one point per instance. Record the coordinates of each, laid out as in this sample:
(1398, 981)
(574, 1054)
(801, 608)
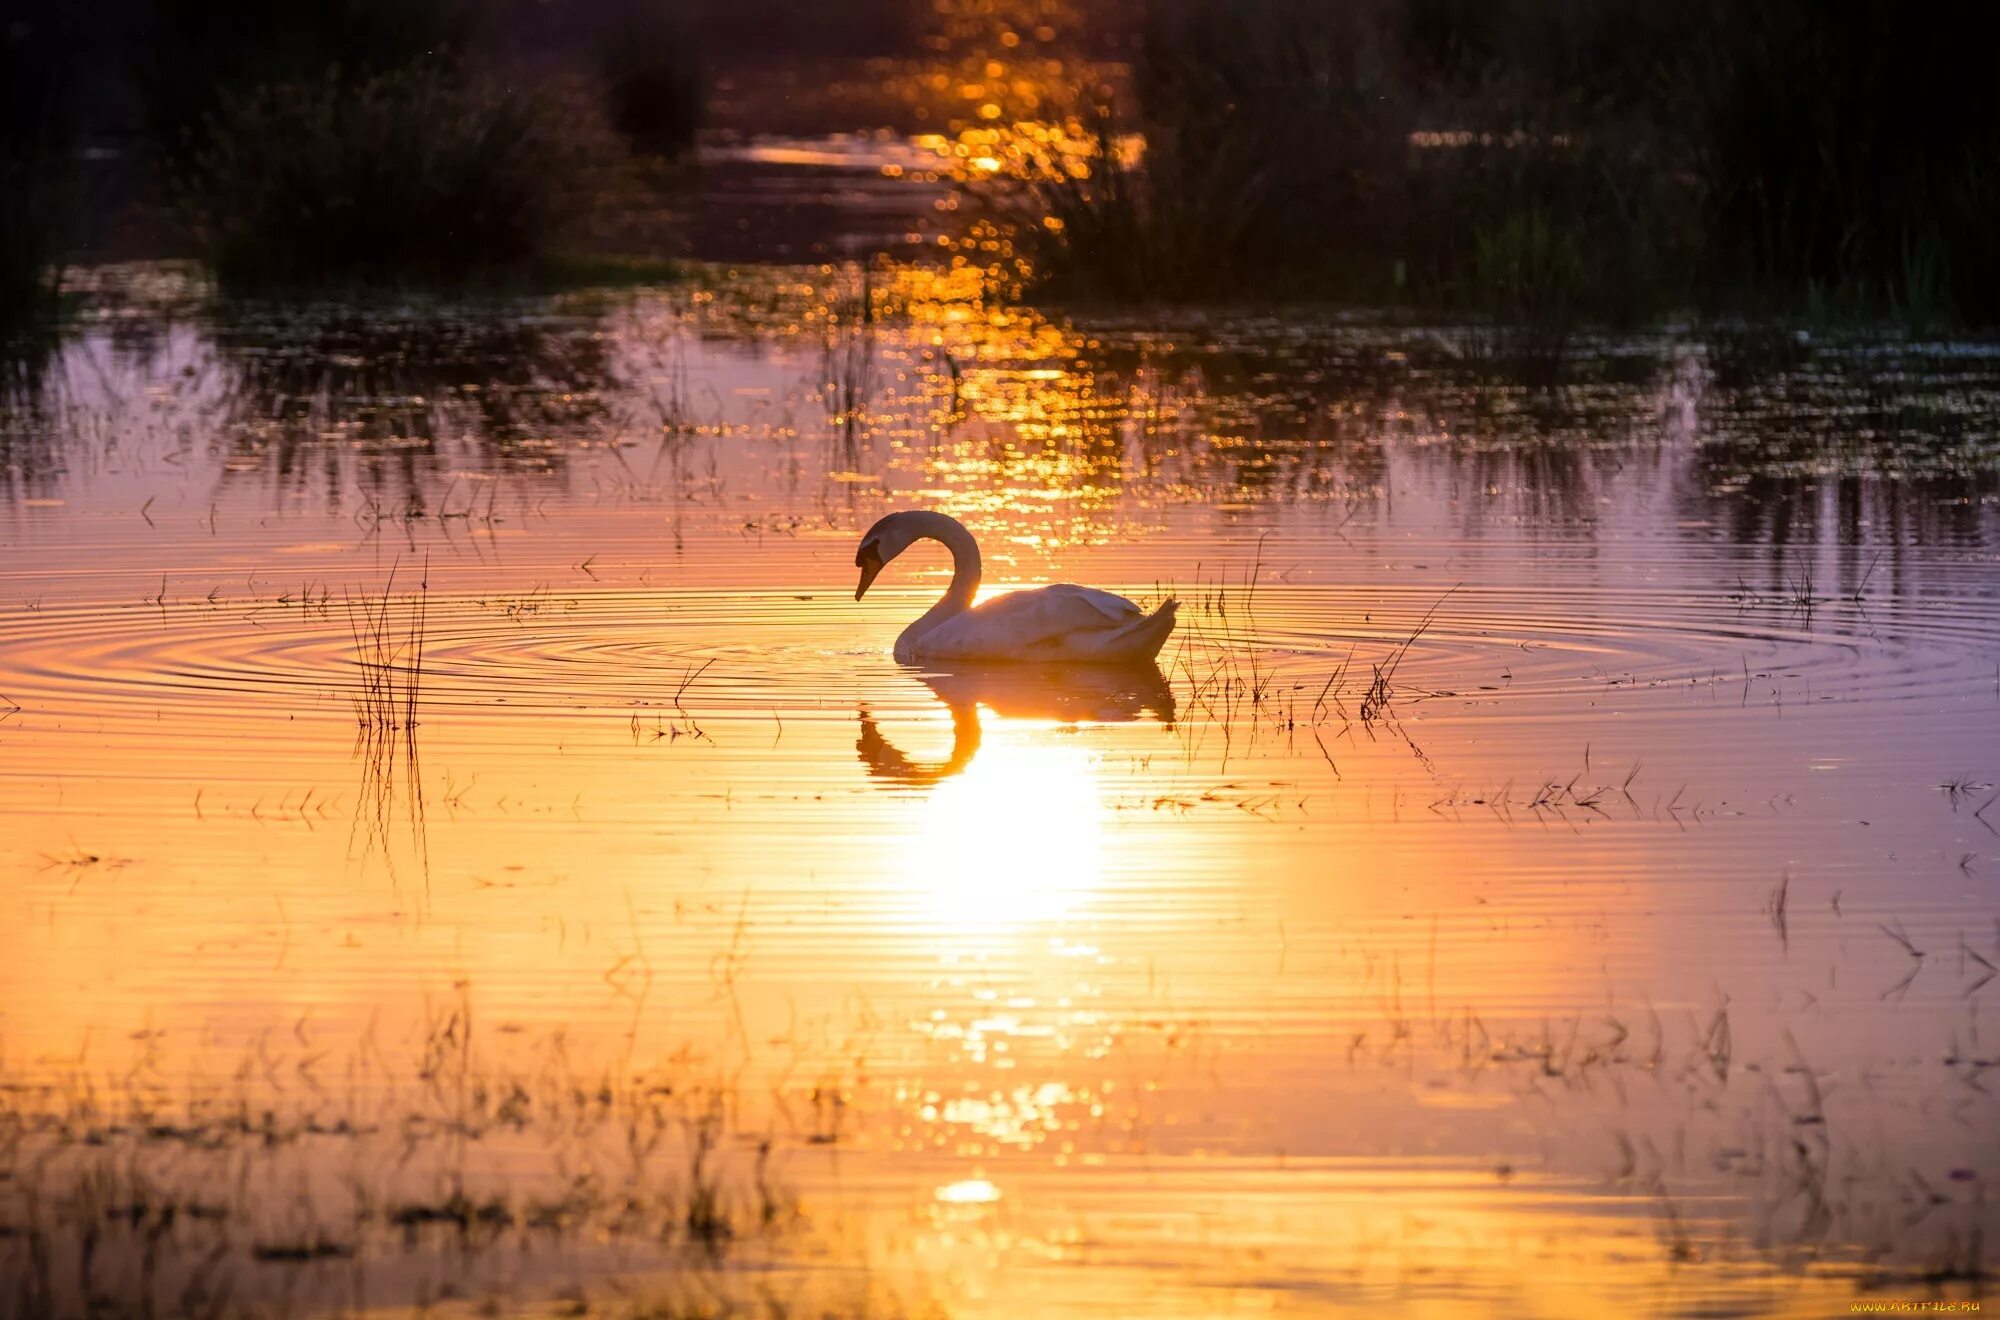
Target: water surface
(1625, 947)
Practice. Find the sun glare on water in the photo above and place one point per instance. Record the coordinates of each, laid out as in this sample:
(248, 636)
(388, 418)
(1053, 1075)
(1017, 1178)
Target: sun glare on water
(969, 1191)
(1016, 840)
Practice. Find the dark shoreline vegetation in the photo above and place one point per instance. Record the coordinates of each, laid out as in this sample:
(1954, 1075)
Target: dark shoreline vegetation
(1545, 162)
(286, 192)
(36, 145)
(333, 149)
(1540, 164)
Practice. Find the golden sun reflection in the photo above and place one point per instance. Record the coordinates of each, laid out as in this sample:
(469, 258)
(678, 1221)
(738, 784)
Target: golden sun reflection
(969, 1191)
(1014, 841)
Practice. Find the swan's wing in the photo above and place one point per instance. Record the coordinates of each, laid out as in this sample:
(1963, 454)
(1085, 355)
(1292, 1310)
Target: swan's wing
(1023, 622)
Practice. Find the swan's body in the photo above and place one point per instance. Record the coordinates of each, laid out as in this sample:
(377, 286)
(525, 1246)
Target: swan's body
(1063, 623)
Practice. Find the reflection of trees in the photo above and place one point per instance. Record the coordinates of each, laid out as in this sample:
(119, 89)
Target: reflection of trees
(1279, 415)
(1772, 440)
(30, 420)
(1782, 509)
(1852, 443)
(1793, 449)
(1229, 424)
(76, 392)
(392, 400)
(100, 392)
(847, 368)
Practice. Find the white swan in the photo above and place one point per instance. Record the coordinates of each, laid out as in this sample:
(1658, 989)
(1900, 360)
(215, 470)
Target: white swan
(1059, 623)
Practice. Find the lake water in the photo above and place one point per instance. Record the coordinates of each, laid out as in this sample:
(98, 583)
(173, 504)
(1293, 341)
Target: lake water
(464, 844)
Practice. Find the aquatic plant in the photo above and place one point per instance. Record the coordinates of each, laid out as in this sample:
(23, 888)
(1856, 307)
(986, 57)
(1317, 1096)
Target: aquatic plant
(389, 660)
(137, 1195)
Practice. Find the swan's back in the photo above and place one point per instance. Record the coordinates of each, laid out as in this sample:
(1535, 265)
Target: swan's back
(1062, 622)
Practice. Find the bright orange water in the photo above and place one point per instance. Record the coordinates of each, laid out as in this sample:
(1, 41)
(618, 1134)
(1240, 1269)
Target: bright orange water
(1634, 955)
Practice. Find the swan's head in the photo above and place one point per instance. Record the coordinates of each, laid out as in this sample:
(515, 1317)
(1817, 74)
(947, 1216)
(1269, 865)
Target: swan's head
(889, 537)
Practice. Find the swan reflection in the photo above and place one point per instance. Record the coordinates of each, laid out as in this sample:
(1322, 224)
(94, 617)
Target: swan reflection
(1110, 695)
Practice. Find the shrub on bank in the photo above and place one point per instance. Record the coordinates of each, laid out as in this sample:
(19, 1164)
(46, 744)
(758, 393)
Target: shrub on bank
(418, 175)
(192, 58)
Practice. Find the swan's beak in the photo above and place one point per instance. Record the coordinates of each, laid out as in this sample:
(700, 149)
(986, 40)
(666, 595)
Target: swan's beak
(870, 564)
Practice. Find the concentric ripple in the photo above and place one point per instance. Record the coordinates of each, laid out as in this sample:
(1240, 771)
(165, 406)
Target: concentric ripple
(1554, 646)
(745, 653)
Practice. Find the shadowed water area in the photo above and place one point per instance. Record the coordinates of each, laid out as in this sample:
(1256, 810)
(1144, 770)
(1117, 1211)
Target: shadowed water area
(462, 838)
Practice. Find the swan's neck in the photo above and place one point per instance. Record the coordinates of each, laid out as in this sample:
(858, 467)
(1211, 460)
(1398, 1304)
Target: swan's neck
(965, 573)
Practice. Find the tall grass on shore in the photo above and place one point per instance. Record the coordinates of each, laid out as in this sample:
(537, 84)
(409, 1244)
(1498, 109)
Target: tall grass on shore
(646, 55)
(1260, 124)
(36, 150)
(358, 143)
(1541, 162)
(419, 175)
(193, 57)
(1850, 153)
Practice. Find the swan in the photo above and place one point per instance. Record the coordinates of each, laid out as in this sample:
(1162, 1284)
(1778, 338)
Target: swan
(1063, 623)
